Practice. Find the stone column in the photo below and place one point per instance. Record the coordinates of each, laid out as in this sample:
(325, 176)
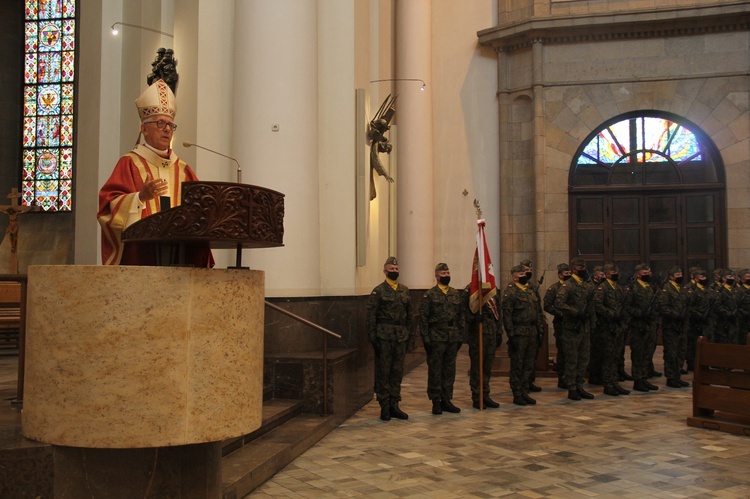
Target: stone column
(539, 158)
(275, 131)
(414, 120)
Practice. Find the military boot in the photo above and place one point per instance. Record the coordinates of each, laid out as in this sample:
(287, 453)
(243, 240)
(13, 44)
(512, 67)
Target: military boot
(640, 386)
(488, 402)
(448, 406)
(650, 386)
(611, 390)
(584, 394)
(519, 400)
(534, 388)
(673, 383)
(398, 413)
(385, 413)
(529, 400)
(682, 382)
(574, 395)
(621, 390)
(436, 408)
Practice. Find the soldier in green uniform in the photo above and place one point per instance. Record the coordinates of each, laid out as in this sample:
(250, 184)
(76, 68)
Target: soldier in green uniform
(643, 310)
(388, 324)
(724, 311)
(492, 338)
(699, 303)
(595, 355)
(610, 324)
(528, 269)
(522, 320)
(442, 324)
(672, 306)
(563, 274)
(743, 305)
(573, 301)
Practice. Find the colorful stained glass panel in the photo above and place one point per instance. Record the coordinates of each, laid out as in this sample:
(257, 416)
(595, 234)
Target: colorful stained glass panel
(48, 129)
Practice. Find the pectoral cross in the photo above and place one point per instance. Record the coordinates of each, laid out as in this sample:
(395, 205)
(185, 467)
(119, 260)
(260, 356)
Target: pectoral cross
(13, 210)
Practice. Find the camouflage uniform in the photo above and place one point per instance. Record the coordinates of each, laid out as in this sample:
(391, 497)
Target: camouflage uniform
(699, 300)
(742, 298)
(644, 315)
(571, 301)
(724, 315)
(491, 339)
(522, 320)
(672, 306)
(388, 324)
(610, 326)
(441, 324)
(549, 307)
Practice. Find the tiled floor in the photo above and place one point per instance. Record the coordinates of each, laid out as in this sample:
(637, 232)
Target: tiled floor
(629, 446)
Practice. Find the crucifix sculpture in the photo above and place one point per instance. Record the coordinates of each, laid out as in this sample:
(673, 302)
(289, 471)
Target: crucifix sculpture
(13, 210)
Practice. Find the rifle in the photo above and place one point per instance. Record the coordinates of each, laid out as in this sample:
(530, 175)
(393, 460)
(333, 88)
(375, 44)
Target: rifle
(541, 278)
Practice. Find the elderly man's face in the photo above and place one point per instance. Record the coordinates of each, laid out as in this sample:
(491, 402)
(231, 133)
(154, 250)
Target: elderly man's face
(158, 138)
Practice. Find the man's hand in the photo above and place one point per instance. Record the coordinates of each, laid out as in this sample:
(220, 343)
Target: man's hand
(153, 188)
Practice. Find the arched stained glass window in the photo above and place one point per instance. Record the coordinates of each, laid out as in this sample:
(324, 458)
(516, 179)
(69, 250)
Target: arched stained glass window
(643, 150)
(49, 78)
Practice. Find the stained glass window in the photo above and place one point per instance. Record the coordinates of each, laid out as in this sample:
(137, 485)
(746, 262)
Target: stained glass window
(49, 79)
(647, 149)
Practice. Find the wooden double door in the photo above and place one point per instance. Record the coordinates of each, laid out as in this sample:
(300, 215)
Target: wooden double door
(661, 228)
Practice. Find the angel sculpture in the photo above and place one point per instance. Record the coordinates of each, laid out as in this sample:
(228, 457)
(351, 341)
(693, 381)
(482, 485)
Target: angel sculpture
(379, 126)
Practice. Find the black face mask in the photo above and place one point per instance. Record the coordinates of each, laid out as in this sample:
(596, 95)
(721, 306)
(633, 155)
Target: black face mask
(703, 281)
(615, 277)
(678, 280)
(445, 280)
(645, 278)
(566, 277)
(746, 282)
(583, 274)
(393, 276)
(528, 274)
(523, 280)
(730, 282)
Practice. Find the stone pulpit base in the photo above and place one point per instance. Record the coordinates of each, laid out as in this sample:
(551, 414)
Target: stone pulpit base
(135, 374)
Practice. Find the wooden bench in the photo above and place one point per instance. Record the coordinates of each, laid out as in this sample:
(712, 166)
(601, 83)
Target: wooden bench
(721, 387)
(10, 315)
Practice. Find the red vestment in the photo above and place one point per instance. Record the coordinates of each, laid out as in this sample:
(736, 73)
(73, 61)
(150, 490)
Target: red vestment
(118, 194)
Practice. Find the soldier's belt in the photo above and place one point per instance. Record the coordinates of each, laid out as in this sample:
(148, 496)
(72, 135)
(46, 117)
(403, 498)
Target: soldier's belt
(390, 322)
(443, 324)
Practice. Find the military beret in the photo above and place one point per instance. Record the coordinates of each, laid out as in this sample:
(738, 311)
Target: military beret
(743, 272)
(698, 271)
(562, 267)
(578, 262)
(726, 272)
(641, 266)
(441, 266)
(610, 267)
(675, 270)
(391, 261)
(598, 268)
(516, 269)
(526, 263)
(718, 272)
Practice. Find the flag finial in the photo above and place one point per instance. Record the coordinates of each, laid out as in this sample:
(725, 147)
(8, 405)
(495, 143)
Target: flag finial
(479, 209)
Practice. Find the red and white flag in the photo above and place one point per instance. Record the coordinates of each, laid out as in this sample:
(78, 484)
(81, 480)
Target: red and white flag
(482, 273)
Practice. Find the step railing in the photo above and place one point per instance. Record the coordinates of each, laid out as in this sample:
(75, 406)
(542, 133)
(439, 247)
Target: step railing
(320, 329)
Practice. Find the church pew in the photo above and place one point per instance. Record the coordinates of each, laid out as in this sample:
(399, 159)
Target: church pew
(721, 387)
(10, 314)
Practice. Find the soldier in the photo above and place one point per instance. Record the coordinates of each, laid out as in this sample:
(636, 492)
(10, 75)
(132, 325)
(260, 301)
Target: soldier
(724, 311)
(528, 269)
(743, 305)
(441, 324)
(610, 326)
(595, 355)
(523, 321)
(573, 301)
(643, 310)
(699, 307)
(563, 274)
(492, 338)
(388, 325)
(672, 305)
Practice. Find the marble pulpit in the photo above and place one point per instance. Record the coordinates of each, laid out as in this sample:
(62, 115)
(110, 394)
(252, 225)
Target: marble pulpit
(132, 365)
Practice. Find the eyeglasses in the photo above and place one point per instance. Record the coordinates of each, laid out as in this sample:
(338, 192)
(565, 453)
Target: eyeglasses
(161, 124)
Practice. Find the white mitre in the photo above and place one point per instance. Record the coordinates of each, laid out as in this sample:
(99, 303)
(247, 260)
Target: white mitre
(158, 99)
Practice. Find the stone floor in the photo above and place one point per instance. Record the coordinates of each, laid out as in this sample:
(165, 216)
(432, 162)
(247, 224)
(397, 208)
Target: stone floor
(629, 446)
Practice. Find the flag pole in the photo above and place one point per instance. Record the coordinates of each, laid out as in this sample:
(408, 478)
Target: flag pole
(481, 322)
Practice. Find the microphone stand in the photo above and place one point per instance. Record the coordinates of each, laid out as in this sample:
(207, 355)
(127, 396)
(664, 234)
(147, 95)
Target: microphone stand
(239, 168)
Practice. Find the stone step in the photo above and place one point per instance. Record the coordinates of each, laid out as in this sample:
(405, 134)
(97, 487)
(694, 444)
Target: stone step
(275, 413)
(250, 466)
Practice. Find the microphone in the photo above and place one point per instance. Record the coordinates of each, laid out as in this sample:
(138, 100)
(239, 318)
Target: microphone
(239, 168)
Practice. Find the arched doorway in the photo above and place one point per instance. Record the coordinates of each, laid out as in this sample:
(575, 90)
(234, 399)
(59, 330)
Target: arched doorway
(648, 187)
